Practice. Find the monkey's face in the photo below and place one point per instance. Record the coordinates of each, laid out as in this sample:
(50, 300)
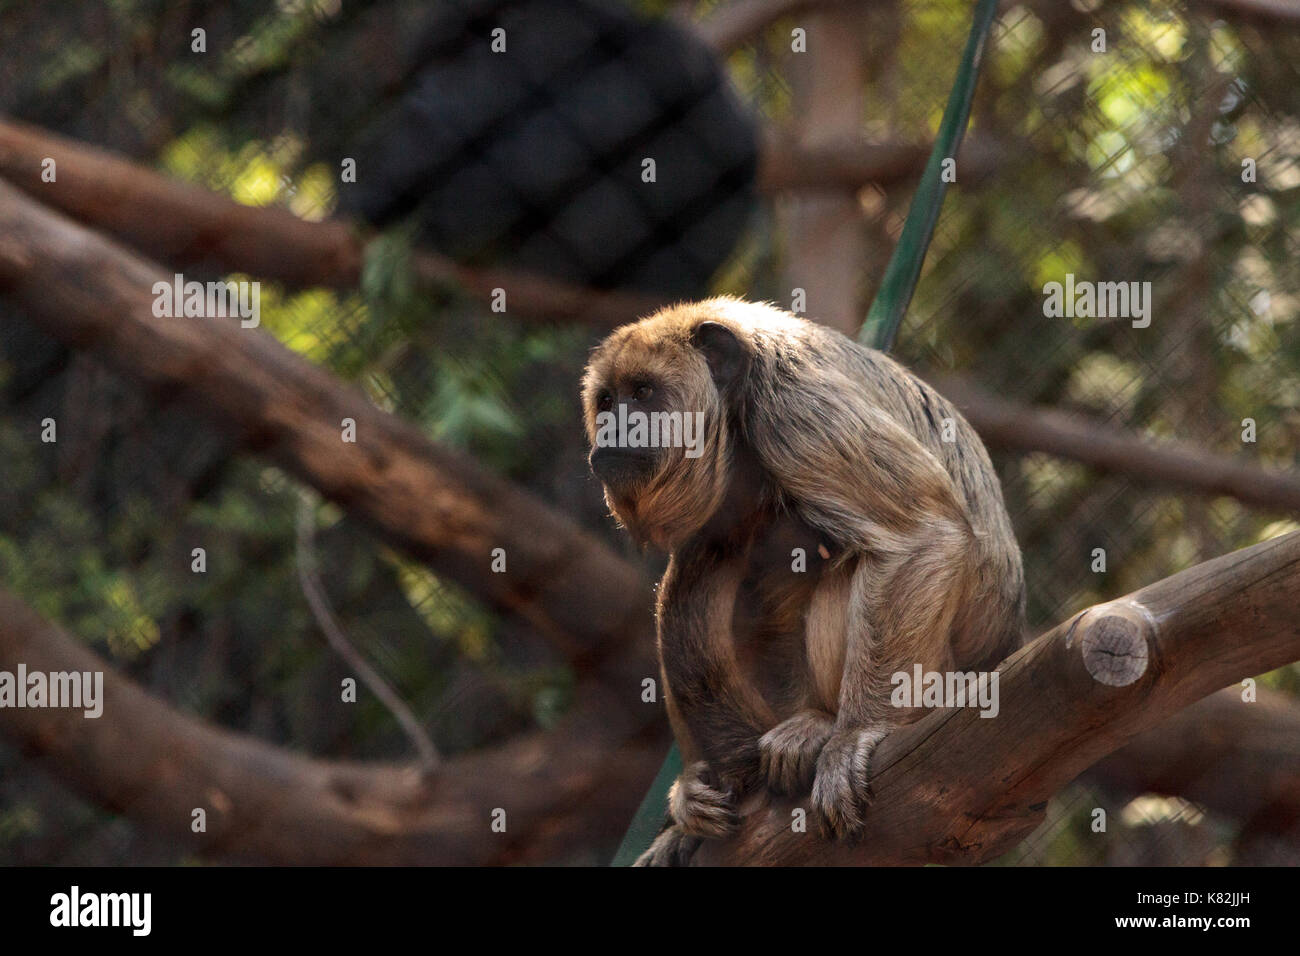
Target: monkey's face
(657, 425)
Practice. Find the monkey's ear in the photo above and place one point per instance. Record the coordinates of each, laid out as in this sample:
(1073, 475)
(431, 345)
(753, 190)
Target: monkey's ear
(723, 351)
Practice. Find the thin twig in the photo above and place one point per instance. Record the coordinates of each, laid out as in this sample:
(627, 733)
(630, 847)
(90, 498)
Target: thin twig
(314, 591)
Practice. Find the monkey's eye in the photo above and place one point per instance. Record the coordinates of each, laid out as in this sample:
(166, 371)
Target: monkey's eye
(643, 393)
(604, 402)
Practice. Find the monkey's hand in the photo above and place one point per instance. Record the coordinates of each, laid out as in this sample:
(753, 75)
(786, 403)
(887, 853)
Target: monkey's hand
(788, 752)
(670, 848)
(842, 790)
(700, 809)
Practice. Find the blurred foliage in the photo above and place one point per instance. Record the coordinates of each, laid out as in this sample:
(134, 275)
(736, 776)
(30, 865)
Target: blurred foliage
(1123, 165)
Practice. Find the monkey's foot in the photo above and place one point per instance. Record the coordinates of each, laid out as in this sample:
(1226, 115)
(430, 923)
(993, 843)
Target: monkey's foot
(788, 752)
(842, 790)
(699, 809)
(670, 848)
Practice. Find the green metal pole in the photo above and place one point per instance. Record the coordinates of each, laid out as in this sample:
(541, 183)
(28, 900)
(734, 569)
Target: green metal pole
(904, 268)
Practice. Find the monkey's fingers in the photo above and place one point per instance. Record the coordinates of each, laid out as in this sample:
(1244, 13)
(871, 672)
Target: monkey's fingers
(699, 809)
(842, 788)
(788, 752)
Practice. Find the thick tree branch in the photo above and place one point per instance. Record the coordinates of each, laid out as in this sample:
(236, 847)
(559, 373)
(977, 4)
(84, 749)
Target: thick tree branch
(1019, 428)
(958, 788)
(187, 226)
(434, 503)
(562, 792)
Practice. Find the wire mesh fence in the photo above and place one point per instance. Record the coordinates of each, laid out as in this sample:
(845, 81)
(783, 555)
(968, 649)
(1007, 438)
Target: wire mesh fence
(642, 149)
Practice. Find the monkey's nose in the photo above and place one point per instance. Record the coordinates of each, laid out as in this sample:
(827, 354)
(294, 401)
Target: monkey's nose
(617, 467)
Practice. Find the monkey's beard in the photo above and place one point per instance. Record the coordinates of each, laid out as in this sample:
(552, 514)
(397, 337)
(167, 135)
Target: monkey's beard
(634, 509)
(671, 505)
(624, 510)
(645, 531)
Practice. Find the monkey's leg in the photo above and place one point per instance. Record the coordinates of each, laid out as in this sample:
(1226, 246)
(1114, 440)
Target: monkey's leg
(697, 804)
(709, 702)
(900, 613)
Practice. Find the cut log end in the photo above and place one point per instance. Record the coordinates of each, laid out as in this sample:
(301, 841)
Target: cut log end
(1115, 648)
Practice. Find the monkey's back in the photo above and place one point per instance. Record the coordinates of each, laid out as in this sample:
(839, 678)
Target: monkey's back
(924, 412)
(792, 352)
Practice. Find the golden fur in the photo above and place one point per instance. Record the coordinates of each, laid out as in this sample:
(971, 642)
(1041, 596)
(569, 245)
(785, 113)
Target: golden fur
(778, 676)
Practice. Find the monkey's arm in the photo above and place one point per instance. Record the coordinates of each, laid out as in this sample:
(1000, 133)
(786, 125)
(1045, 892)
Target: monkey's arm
(900, 613)
(852, 469)
(717, 718)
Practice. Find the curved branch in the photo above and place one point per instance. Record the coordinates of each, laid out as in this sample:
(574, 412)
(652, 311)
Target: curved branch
(1020, 428)
(434, 503)
(957, 788)
(562, 792)
(187, 225)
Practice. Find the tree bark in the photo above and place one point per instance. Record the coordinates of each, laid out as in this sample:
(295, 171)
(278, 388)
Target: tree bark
(563, 792)
(435, 504)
